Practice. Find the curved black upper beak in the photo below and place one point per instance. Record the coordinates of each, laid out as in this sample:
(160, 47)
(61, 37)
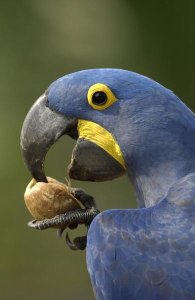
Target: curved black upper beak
(49, 126)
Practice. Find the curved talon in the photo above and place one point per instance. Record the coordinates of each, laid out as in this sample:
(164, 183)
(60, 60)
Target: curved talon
(71, 244)
(86, 200)
(60, 232)
(79, 243)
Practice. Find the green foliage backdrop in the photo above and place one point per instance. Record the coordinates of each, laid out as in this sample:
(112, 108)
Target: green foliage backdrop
(41, 40)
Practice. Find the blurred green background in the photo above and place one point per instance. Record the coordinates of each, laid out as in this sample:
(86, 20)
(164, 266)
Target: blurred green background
(42, 40)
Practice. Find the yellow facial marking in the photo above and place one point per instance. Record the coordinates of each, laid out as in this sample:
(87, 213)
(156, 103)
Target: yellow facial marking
(101, 137)
(100, 96)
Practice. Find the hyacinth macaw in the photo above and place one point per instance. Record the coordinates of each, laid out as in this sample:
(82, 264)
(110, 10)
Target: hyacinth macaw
(125, 123)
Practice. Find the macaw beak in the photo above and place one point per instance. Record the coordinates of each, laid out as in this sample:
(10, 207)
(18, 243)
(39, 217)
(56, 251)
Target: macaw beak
(43, 127)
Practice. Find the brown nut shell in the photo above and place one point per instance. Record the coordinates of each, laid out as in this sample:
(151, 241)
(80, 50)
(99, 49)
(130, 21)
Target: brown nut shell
(46, 200)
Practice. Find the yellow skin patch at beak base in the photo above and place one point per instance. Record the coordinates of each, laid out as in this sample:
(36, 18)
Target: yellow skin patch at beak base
(101, 137)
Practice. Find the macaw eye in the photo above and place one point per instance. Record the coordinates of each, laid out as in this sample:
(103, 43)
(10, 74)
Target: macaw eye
(100, 96)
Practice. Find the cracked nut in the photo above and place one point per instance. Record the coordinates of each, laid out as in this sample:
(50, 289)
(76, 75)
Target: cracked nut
(46, 200)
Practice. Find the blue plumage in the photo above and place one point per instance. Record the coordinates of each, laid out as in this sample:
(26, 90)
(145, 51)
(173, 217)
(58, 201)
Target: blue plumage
(149, 252)
(146, 253)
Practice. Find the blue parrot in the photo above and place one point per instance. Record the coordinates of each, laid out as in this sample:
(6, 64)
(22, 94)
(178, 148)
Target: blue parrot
(126, 123)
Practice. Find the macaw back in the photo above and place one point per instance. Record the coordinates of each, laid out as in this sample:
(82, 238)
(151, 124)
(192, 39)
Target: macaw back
(146, 253)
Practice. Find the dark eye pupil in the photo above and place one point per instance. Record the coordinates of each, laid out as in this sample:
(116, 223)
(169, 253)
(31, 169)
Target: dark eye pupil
(99, 98)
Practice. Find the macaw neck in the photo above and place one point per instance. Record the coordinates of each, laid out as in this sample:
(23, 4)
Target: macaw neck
(152, 178)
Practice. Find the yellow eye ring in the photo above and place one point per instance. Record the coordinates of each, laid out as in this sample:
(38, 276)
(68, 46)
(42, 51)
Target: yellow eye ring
(99, 96)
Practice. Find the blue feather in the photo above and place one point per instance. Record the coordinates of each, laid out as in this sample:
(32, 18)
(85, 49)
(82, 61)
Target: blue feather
(141, 259)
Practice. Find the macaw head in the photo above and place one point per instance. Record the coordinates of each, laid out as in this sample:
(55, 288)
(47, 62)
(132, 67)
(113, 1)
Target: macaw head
(122, 122)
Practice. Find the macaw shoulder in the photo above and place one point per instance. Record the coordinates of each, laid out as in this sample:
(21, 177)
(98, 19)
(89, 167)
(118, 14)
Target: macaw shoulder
(153, 248)
(179, 202)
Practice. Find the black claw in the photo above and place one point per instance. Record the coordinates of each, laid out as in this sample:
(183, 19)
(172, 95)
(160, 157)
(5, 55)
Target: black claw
(79, 243)
(60, 232)
(70, 244)
(87, 200)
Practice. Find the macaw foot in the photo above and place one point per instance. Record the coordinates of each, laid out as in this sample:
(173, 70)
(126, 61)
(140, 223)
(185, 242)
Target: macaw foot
(71, 219)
